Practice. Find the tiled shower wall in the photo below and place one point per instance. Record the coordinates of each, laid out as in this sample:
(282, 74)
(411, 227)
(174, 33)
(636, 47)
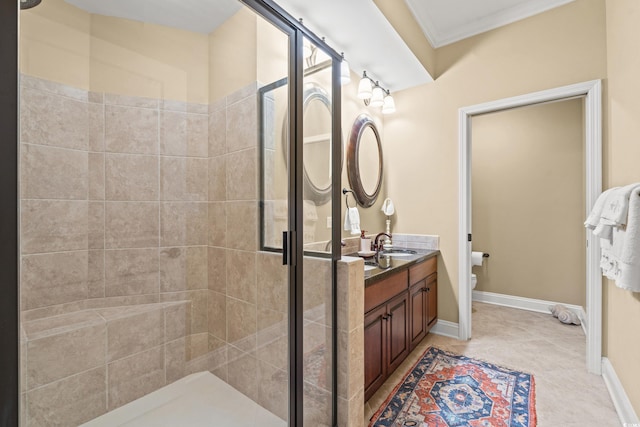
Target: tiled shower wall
(145, 203)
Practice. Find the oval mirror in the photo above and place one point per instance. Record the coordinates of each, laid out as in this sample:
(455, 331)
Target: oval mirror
(317, 130)
(364, 161)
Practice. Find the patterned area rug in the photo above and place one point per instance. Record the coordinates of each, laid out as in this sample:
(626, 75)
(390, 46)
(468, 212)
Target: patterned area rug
(448, 390)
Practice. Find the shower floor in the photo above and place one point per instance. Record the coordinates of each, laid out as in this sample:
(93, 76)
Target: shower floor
(198, 400)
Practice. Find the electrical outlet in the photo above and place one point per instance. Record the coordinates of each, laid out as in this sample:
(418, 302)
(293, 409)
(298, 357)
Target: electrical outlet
(328, 222)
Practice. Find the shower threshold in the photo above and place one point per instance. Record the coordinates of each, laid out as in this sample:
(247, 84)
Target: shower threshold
(198, 400)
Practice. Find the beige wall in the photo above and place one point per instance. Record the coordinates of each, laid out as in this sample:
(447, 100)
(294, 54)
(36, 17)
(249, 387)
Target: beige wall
(563, 46)
(622, 345)
(528, 201)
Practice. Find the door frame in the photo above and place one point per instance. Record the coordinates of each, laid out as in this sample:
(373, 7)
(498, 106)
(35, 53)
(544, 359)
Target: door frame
(592, 93)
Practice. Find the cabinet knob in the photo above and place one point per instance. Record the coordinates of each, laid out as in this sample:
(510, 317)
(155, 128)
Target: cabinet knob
(390, 315)
(385, 317)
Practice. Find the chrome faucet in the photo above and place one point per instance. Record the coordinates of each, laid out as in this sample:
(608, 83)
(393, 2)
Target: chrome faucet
(377, 246)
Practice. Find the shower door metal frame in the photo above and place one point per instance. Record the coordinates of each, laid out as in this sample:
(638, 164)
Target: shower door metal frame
(293, 254)
(9, 269)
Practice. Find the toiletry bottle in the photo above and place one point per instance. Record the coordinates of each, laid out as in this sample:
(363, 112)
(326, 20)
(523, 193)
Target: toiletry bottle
(365, 243)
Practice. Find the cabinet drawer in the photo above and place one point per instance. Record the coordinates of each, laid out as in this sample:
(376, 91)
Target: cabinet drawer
(422, 270)
(384, 290)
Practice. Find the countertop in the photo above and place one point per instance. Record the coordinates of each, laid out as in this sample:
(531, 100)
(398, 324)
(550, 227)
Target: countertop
(396, 264)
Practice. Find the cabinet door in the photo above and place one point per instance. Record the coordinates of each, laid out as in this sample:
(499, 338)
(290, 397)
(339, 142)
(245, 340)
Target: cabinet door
(418, 312)
(375, 349)
(398, 330)
(432, 300)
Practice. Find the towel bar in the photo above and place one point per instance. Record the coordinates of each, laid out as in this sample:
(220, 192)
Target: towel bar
(346, 196)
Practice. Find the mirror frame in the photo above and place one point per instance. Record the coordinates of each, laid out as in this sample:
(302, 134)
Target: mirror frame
(314, 91)
(364, 199)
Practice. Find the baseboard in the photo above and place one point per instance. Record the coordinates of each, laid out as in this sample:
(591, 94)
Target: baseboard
(445, 328)
(621, 402)
(530, 304)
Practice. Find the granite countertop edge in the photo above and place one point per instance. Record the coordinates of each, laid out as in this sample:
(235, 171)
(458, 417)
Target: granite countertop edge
(376, 276)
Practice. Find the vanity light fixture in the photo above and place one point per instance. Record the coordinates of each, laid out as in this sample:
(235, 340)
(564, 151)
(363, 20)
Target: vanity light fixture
(389, 105)
(375, 95)
(345, 72)
(364, 88)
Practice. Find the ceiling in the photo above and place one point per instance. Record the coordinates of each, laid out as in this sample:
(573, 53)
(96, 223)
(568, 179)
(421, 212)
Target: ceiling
(447, 21)
(356, 27)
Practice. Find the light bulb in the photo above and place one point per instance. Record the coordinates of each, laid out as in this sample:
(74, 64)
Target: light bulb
(389, 105)
(377, 97)
(345, 72)
(364, 88)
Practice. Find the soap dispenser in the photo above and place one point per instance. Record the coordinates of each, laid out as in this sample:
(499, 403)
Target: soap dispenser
(365, 242)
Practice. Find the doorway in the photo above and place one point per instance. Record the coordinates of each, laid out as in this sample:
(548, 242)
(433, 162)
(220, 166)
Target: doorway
(591, 91)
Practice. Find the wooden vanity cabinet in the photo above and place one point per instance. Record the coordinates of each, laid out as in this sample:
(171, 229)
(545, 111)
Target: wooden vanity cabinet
(399, 311)
(424, 308)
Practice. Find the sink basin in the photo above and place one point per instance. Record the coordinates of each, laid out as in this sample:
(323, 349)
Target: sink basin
(398, 252)
(370, 265)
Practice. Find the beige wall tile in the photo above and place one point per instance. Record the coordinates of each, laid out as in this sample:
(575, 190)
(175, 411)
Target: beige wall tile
(95, 225)
(53, 225)
(50, 119)
(183, 224)
(131, 101)
(54, 278)
(131, 177)
(269, 174)
(69, 402)
(53, 173)
(217, 317)
(242, 125)
(197, 135)
(272, 283)
(218, 224)
(198, 345)
(27, 81)
(242, 175)
(217, 178)
(135, 376)
(173, 132)
(217, 132)
(242, 373)
(177, 321)
(241, 275)
(131, 130)
(95, 283)
(273, 338)
(350, 296)
(217, 266)
(131, 272)
(317, 406)
(183, 178)
(133, 334)
(58, 356)
(242, 225)
(96, 126)
(273, 389)
(184, 134)
(131, 225)
(198, 310)
(248, 91)
(183, 268)
(96, 176)
(176, 359)
(241, 324)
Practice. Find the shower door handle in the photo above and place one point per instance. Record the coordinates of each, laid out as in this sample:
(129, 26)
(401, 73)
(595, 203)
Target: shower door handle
(288, 248)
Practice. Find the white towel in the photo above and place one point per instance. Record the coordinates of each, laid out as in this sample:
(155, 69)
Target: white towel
(352, 220)
(387, 207)
(621, 255)
(594, 217)
(614, 211)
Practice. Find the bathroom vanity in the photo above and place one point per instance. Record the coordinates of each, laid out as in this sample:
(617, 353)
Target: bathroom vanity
(400, 307)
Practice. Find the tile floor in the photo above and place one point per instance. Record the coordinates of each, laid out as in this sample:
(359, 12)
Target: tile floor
(566, 395)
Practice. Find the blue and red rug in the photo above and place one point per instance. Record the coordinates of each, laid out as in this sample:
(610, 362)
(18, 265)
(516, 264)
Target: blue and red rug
(448, 390)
